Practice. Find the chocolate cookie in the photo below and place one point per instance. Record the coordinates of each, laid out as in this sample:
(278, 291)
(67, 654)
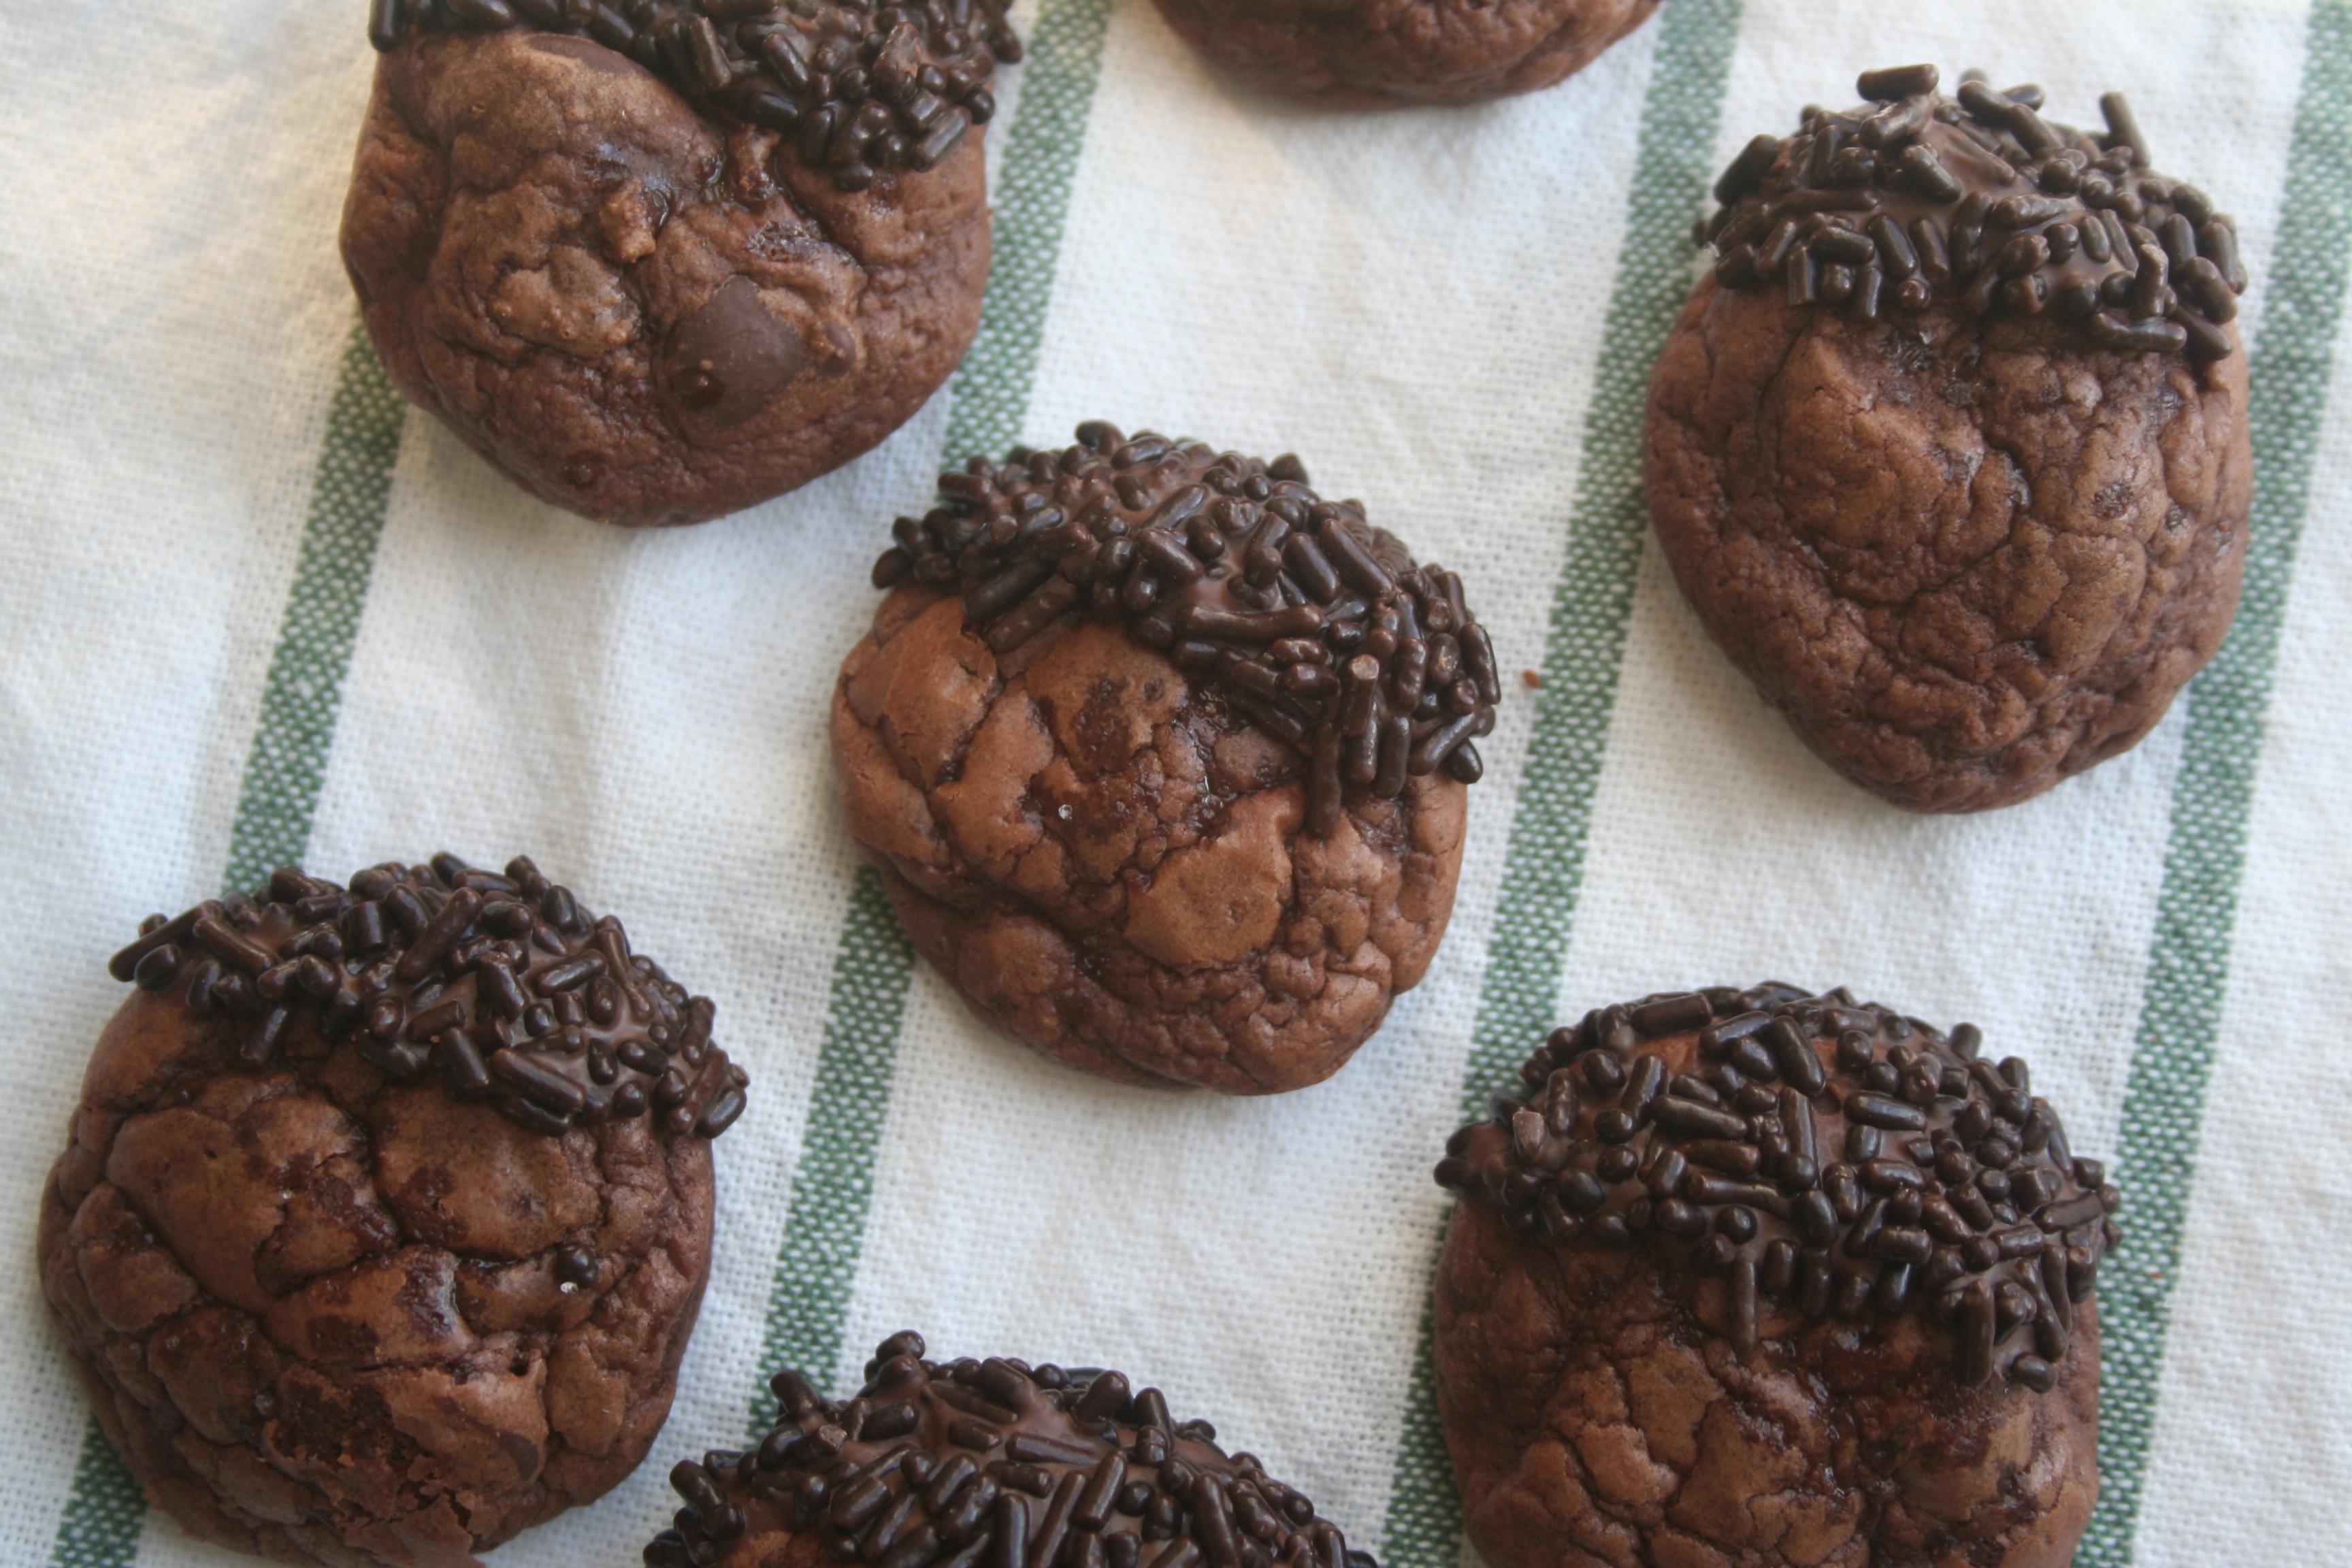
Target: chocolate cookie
(1950, 451)
(1378, 54)
(1764, 1278)
(663, 259)
(988, 1462)
(386, 1213)
(1162, 757)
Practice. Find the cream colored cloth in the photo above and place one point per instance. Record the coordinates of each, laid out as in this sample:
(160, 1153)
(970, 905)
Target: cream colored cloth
(1416, 302)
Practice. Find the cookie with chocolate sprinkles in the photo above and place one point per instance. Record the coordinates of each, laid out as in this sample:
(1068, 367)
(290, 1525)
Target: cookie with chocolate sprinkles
(1163, 757)
(1949, 448)
(662, 259)
(1378, 54)
(386, 1212)
(1770, 1278)
(989, 1464)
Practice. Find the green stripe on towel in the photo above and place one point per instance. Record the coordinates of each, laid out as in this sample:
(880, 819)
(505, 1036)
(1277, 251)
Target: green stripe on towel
(825, 1229)
(2212, 799)
(1040, 165)
(1543, 868)
(303, 693)
(103, 1512)
(351, 492)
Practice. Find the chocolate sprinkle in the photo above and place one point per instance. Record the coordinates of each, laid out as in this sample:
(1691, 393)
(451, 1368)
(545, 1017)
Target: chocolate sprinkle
(500, 987)
(1917, 199)
(1313, 625)
(1957, 1198)
(854, 89)
(995, 1464)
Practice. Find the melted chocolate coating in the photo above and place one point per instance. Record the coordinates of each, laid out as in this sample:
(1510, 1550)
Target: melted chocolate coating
(498, 987)
(1917, 197)
(862, 91)
(1316, 625)
(998, 1463)
(1836, 1155)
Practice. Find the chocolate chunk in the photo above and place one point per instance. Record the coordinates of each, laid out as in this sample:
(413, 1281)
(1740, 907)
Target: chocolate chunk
(731, 358)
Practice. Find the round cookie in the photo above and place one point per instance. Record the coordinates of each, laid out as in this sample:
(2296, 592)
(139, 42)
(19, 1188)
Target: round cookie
(1378, 54)
(971, 1463)
(1950, 451)
(662, 260)
(1772, 1279)
(1161, 758)
(386, 1212)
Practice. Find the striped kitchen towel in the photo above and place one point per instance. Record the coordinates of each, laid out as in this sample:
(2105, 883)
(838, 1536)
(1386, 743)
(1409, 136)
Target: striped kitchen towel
(254, 610)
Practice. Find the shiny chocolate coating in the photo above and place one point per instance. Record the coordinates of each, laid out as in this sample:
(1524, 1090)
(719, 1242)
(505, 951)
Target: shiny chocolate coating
(498, 988)
(1917, 199)
(993, 1463)
(860, 91)
(1318, 627)
(1820, 1155)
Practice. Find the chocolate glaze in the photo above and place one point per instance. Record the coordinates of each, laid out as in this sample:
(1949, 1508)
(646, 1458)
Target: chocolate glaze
(864, 91)
(995, 1462)
(1917, 197)
(1314, 624)
(1816, 1150)
(498, 988)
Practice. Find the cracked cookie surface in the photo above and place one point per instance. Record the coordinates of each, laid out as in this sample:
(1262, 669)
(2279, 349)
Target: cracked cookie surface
(637, 311)
(1966, 560)
(339, 1293)
(1594, 1419)
(1949, 448)
(1377, 54)
(321, 1320)
(1761, 1278)
(1112, 867)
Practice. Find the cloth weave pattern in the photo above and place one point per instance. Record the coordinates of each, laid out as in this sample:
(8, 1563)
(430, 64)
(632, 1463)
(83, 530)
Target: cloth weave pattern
(252, 610)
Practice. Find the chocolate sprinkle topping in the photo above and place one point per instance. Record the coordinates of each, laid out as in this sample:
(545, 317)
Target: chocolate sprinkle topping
(995, 1464)
(1834, 1157)
(500, 987)
(1309, 622)
(1916, 199)
(857, 88)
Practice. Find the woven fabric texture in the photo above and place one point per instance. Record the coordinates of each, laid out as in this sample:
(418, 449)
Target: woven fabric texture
(254, 610)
